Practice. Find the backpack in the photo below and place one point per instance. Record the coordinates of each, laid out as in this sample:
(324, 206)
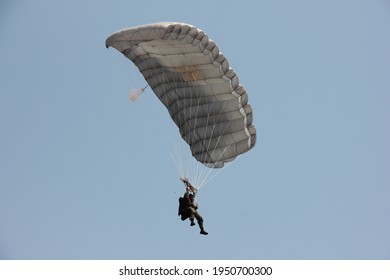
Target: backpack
(182, 205)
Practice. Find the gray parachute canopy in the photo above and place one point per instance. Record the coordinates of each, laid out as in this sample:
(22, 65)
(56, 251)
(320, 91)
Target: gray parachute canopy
(195, 83)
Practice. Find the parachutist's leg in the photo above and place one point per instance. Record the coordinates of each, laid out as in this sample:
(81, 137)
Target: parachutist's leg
(192, 220)
(200, 222)
(199, 219)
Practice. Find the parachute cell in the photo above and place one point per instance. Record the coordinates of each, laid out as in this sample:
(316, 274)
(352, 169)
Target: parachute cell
(190, 76)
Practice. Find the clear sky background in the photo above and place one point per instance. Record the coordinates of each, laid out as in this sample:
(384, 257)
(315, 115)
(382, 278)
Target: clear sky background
(86, 174)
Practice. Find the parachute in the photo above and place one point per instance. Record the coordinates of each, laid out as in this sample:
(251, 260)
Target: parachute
(192, 78)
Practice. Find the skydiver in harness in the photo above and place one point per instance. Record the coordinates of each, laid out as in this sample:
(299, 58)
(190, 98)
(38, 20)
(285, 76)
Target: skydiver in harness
(188, 208)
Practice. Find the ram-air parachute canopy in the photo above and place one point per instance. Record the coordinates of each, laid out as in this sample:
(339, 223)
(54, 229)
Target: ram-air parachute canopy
(190, 76)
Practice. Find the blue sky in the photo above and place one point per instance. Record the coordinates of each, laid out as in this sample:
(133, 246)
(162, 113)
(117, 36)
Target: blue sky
(86, 174)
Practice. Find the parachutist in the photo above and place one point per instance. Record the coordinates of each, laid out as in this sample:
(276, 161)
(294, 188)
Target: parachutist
(188, 208)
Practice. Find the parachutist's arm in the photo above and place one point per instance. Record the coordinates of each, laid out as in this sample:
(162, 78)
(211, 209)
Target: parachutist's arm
(194, 190)
(187, 183)
(189, 187)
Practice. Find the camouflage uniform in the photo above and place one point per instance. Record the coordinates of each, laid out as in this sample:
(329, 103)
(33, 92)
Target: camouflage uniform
(187, 208)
